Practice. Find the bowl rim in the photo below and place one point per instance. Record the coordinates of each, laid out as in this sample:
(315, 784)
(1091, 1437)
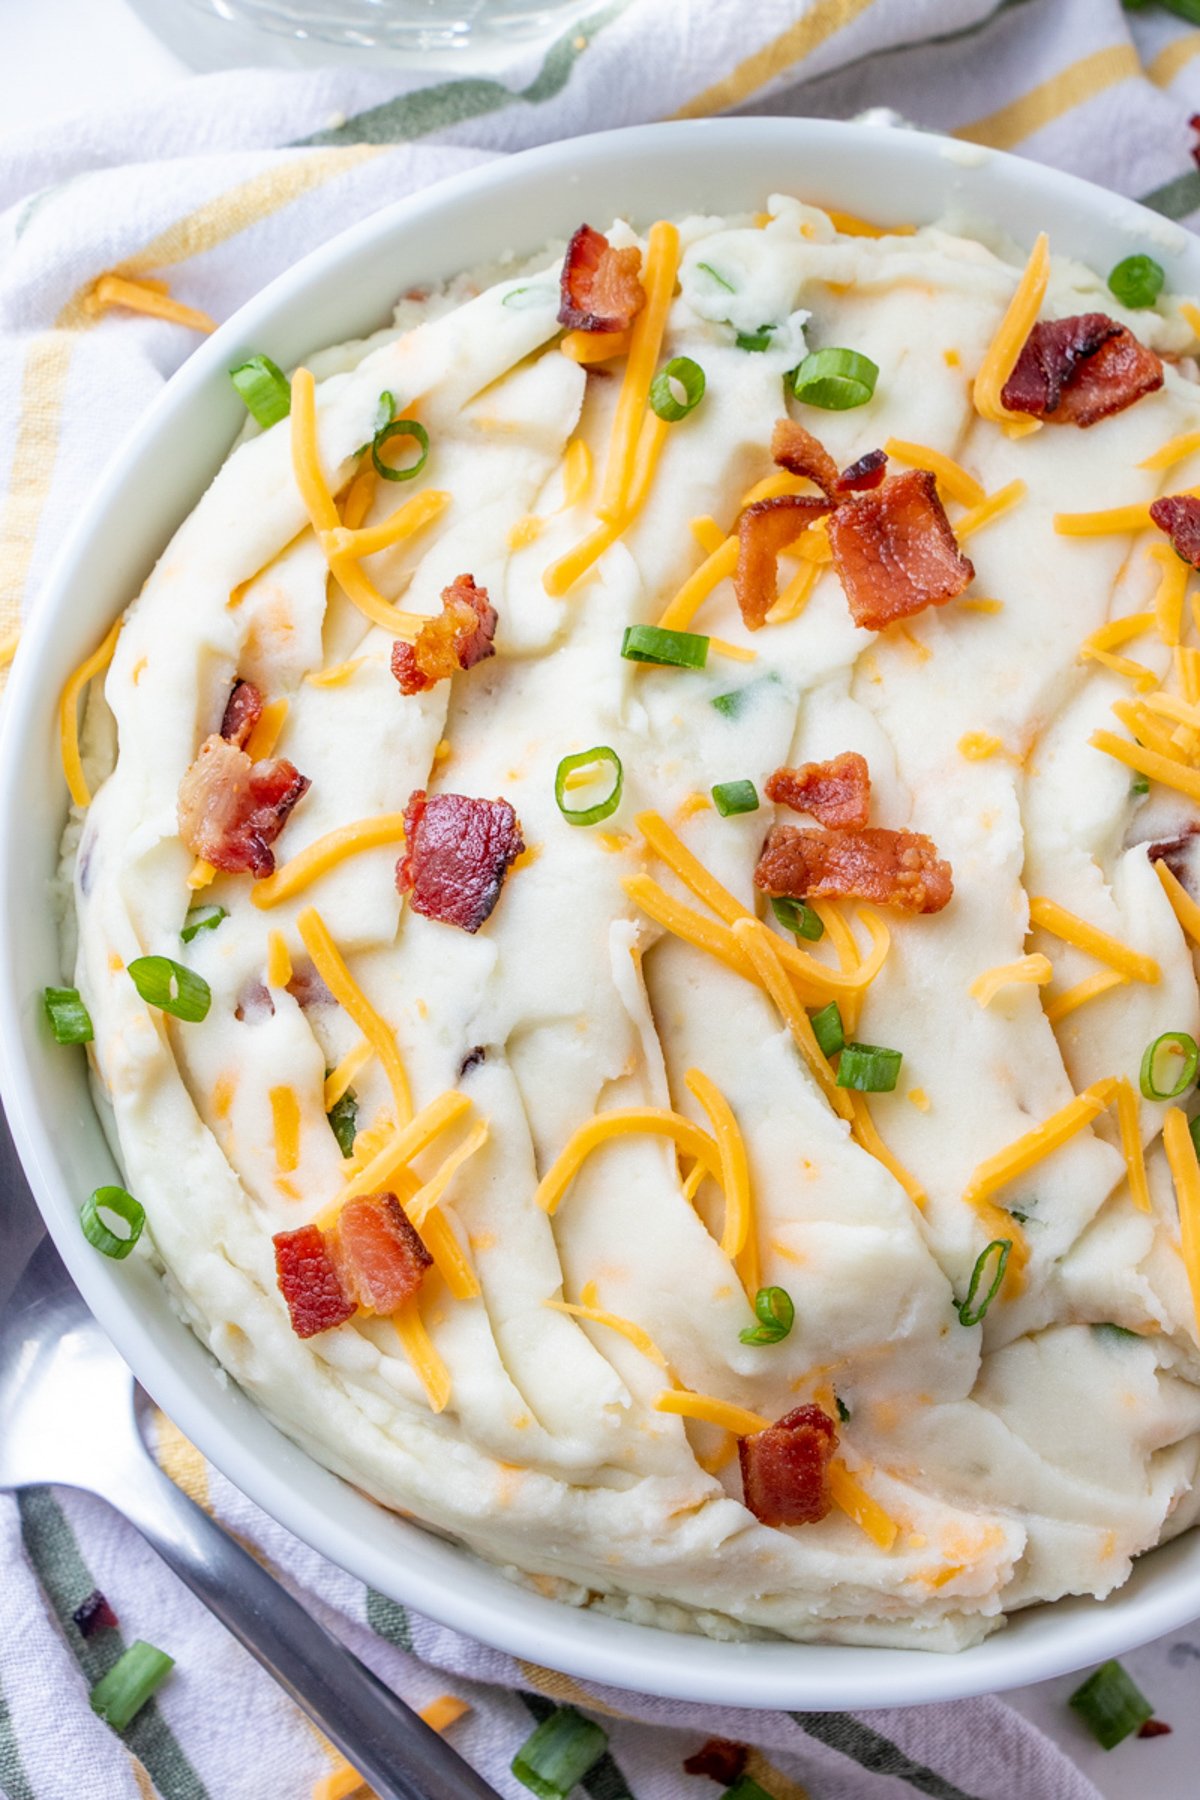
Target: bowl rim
(441, 1580)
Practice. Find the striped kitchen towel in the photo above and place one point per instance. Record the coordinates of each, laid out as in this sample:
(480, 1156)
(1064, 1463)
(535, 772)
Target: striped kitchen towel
(212, 188)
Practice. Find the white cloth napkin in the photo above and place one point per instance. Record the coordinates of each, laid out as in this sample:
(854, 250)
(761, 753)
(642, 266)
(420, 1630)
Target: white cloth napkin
(215, 187)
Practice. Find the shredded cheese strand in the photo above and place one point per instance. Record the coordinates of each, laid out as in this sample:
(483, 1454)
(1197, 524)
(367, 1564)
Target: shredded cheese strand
(330, 966)
(867, 1134)
(321, 855)
(576, 473)
(431, 1192)
(735, 652)
(1142, 724)
(1034, 970)
(336, 674)
(339, 1784)
(1072, 998)
(1001, 358)
(738, 1231)
(437, 1235)
(640, 1121)
(850, 1497)
(444, 1711)
(285, 1126)
(993, 507)
(679, 613)
(951, 476)
(1172, 590)
(279, 963)
(267, 730)
(338, 1080)
(399, 525)
(68, 715)
(1149, 763)
(1182, 904)
(645, 342)
(1052, 917)
(759, 945)
(1185, 1173)
(1117, 632)
(1110, 519)
(794, 596)
(563, 574)
(588, 347)
(1142, 677)
(1175, 450)
(707, 533)
(711, 1411)
(641, 1340)
(426, 1364)
(152, 299)
(1131, 1143)
(398, 1150)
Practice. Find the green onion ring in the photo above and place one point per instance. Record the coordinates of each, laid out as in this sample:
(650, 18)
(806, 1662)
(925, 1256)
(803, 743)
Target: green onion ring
(656, 644)
(690, 377)
(1186, 1046)
(121, 1694)
(835, 380)
(400, 428)
(201, 918)
(586, 759)
(559, 1753)
(798, 916)
(171, 987)
(1136, 282)
(776, 1314)
(114, 1200)
(264, 388)
(828, 1029)
(869, 1068)
(968, 1312)
(69, 1018)
(733, 797)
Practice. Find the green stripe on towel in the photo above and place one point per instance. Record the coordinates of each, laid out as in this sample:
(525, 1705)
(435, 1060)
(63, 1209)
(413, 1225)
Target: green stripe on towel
(388, 1620)
(871, 1750)
(13, 1779)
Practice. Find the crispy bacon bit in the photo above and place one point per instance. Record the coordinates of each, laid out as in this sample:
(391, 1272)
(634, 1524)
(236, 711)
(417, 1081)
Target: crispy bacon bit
(307, 988)
(800, 453)
(231, 810)
(457, 638)
(785, 1469)
(1154, 1728)
(1179, 516)
(457, 852)
(720, 1759)
(475, 1055)
(867, 472)
(837, 793)
(379, 1258)
(895, 552)
(1079, 370)
(254, 1002)
(601, 287)
(94, 1614)
(1179, 854)
(309, 1282)
(243, 710)
(765, 529)
(889, 868)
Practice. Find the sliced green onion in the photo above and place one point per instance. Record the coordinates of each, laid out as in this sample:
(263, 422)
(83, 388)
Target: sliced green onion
(171, 987)
(265, 389)
(681, 372)
(746, 1788)
(343, 1121)
(843, 1409)
(1111, 1705)
(559, 1753)
(732, 706)
(869, 1068)
(1137, 281)
(776, 1315)
(1107, 1329)
(756, 340)
(828, 1029)
(653, 644)
(797, 916)
(719, 279)
(119, 1205)
(970, 1313)
(1194, 1133)
(201, 918)
(1140, 786)
(69, 1018)
(1170, 1043)
(400, 428)
(121, 1694)
(733, 797)
(835, 380)
(587, 759)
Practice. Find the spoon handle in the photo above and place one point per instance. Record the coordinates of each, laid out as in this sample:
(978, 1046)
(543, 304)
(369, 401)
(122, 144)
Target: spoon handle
(394, 1750)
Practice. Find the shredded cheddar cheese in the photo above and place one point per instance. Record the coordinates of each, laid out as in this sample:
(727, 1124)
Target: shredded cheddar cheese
(850, 225)
(641, 1340)
(576, 473)
(1175, 450)
(711, 1411)
(1108, 520)
(1185, 1173)
(1072, 998)
(629, 1121)
(267, 731)
(336, 675)
(8, 647)
(68, 715)
(866, 1134)
(1190, 313)
(1172, 589)
(1150, 763)
(919, 1098)
(645, 342)
(324, 854)
(285, 1125)
(759, 945)
(952, 478)
(432, 1192)
(563, 574)
(399, 525)
(1182, 904)
(339, 1784)
(717, 567)
(737, 1235)
(279, 963)
(338, 1080)
(426, 1364)
(444, 1711)
(1028, 970)
(1144, 726)
(327, 960)
(772, 487)
(1131, 1143)
(707, 533)
(850, 1497)
(151, 298)
(1106, 949)
(201, 874)
(1009, 341)
(735, 652)
(587, 347)
(400, 1147)
(993, 507)
(794, 595)
(977, 746)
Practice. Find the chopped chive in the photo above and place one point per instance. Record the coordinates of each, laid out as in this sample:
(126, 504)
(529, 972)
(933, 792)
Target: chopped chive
(733, 797)
(732, 706)
(400, 428)
(968, 1312)
(343, 1121)
(1140, 786)
(119, 1206)
(843, 1409)
(756, 340)
(675, 649)
(1136, 282)
(776, 1315)
(1106, 1329)
(835, 380)
(1111, 1705)
(586, 759)
(828, 1029)
(1178, 1044)
(719, 279)
(201, 918)
(559, 1753)
(869, 1068)
(265, 389)
(797, 916)
(680, 373)
(121, 1694)
(171, 987)
(69, 1018)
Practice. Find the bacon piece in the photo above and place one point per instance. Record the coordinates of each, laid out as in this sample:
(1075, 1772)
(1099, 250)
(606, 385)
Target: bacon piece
(601, 287)
(720, 1759)
(457, 852)
(895, 553)
(379, 1258)
(254, 1002)
(1076, 371)
(800, 453)
(231, 810)
(309, 1281)
(837, 793)
(1178, 853)
(459, 637)
(1151, 1728)
(785, 1469)
(243, 710)
(94, 1614)
(765, 529)
(307, 988)
(890, 868)
(1179, 516)
(867, 472)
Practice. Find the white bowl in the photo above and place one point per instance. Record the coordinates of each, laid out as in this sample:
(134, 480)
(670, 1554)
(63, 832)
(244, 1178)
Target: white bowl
(342, 290)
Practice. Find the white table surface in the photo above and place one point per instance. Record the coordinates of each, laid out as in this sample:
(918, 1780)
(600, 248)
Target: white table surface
(113, 53)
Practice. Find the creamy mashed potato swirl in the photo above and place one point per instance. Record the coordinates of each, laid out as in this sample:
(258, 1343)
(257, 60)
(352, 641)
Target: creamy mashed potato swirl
(1032, 1456)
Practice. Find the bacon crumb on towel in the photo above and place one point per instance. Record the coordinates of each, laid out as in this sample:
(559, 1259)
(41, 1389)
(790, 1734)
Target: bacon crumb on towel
(458, 637)
(763, 530)
(380, 1260)
(601, 287)
(243, 710)
(309, 1281)
(1179, 516)
(457, 852)
(1079, 370)
(895, 552)
(720, 1759)
(785, 1469)
(94, 1614)
(231, 810)
(837, 793)
(889, 868)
